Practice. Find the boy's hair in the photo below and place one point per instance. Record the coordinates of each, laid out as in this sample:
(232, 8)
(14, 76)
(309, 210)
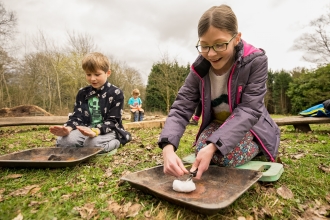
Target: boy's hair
(95, 61)
(136, 92)
(221, 17)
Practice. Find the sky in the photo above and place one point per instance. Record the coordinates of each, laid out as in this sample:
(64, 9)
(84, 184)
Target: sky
(142, 32)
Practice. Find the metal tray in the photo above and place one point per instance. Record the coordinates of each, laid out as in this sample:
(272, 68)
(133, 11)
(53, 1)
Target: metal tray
(51, 157)
(218, 188)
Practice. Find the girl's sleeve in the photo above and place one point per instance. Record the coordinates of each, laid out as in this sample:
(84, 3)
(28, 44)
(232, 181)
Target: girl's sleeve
(181, 111)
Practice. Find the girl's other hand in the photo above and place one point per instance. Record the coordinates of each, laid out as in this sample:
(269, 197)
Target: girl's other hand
(172, 163)
(203, 159)
(60, 130)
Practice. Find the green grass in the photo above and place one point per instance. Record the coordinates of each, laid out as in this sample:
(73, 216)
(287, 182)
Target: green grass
(86, 190)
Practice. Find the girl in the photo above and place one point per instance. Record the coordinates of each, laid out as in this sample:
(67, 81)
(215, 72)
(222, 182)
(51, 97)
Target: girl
(229, 76)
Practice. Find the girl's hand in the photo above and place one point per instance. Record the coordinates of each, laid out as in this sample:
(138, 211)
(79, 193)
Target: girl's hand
(172, 163)
(60, 130)
(203, 159)
(86, 131)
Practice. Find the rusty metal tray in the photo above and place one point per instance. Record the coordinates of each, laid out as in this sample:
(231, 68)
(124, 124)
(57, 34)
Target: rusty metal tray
(50, 157)
(218, 188)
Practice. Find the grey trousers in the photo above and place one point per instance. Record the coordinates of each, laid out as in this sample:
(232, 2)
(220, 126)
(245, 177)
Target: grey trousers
(76, 139)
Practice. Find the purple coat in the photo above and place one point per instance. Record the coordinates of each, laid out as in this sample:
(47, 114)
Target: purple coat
(246, 91)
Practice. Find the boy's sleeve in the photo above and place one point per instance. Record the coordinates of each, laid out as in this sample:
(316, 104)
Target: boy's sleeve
(113, 122)
(114, 113)
(75, 118)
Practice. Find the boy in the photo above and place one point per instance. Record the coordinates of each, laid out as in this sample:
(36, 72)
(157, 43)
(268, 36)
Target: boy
(135, 104)
(96, 119)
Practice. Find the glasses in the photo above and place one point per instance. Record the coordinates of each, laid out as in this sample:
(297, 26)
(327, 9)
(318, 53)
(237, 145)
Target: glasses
(216, 47)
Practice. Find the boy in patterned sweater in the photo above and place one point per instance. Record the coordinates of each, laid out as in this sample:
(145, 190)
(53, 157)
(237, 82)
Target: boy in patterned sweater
(97, 117)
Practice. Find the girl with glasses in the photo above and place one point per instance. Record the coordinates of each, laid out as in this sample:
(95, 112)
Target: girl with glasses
(229, 77)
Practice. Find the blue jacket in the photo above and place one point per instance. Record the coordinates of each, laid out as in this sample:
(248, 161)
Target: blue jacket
(246, 91)
(111, 100)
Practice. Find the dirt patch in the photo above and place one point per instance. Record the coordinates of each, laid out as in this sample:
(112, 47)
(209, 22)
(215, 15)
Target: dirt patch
(23, 110)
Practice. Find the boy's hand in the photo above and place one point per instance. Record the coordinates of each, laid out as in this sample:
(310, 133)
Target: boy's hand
(60, 130)
(86, 131)
(203, 159)
(172, 163)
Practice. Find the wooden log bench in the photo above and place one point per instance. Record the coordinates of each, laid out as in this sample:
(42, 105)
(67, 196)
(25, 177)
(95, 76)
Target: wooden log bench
(60, 120)
(299, 122)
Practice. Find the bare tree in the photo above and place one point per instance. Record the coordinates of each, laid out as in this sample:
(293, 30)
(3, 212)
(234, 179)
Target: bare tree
(80, 43)
(126, 78)
(7, 24)
(5, 97)
(316, 43)
(7, 29)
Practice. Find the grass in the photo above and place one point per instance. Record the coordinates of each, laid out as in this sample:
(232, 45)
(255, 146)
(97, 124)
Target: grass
(93, 190)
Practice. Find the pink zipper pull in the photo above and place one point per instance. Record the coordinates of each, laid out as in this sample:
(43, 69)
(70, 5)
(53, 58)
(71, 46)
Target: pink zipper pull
(238, 95)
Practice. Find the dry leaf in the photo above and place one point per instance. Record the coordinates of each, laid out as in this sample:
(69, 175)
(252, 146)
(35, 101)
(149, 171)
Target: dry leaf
(35, 203)
(54, 188)
(35, 190)
(323, 210)
(12, 176)
(311, 213)
(324, 168)
(249, 217)
(284, 192)
(327, 197)
(126, 172)
(68, 196)
(101, 184)
(33, 211)
(24, 191)
(108, 173)
(133, 210)
(116, 209)
(147, 214)
(298, 156)
(241, 218)
(87, 211)
(160, 216)
(18, 217)
(126, 207)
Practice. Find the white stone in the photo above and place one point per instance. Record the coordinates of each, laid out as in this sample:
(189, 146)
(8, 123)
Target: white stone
(183, 186)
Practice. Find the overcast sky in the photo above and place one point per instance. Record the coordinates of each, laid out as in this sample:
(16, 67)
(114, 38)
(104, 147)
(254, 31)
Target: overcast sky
(140, 32)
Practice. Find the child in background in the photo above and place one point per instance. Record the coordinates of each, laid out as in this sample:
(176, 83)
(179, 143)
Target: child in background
(96, 119)
(135, 103)
(229, 78)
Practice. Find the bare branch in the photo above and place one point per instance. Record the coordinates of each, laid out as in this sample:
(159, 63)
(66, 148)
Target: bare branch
(316, 43)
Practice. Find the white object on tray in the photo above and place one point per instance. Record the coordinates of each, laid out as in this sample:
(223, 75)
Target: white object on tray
(184, 186)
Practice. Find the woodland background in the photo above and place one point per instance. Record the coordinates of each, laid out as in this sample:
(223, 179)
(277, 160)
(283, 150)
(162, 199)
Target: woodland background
(51, 74)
